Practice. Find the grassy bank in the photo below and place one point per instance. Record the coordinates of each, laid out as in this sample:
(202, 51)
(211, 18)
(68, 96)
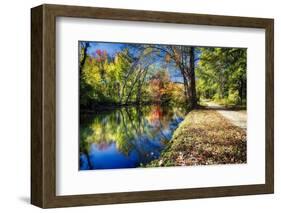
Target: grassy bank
(204, 137)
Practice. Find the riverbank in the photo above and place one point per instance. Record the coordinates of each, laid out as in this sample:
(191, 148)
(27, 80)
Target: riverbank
(112, 106)
(205, 137)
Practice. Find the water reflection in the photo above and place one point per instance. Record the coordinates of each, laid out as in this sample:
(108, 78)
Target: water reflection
(126, 137)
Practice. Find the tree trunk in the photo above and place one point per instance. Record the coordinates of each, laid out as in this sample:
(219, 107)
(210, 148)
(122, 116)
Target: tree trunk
(192, 86)
(84, 57)
(185, 84)
(241, 91)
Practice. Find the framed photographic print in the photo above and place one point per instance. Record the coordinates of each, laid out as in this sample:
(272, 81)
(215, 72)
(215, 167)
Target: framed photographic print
(136, 106)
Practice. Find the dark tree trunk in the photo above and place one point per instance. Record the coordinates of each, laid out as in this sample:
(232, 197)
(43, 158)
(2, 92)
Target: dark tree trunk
(82, 62)
(192, 86)
(83, 87)
(242, 90)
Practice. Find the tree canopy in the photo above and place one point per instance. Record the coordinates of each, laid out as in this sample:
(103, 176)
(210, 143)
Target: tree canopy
(122, 74)
(221, 74)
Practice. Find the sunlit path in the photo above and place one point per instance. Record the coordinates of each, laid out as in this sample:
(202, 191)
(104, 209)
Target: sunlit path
(236, 117)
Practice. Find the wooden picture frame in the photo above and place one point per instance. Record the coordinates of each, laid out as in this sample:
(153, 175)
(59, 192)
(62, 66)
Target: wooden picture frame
(43, 105)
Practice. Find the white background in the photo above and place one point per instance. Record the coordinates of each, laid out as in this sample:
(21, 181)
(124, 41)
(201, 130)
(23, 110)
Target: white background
(15, 105)
(70, 182)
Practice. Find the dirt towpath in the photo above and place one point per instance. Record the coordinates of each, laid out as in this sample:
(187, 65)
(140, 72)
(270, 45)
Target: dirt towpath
(236, 117)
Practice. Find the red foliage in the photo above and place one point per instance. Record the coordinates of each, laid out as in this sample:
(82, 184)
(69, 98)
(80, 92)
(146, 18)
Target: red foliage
(99, 52)
(100, 55)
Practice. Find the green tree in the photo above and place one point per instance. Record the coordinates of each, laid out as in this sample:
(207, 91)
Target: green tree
(221, 74)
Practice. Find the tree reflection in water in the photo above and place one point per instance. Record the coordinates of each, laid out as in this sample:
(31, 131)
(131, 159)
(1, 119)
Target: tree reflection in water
(127, 137)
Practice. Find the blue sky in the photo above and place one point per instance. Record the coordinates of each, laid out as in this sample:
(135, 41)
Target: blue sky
(111, 48)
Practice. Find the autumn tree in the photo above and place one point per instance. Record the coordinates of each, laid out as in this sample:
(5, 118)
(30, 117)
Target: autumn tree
(183, 57)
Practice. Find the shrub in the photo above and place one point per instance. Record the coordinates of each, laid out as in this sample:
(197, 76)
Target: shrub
(233, 97)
